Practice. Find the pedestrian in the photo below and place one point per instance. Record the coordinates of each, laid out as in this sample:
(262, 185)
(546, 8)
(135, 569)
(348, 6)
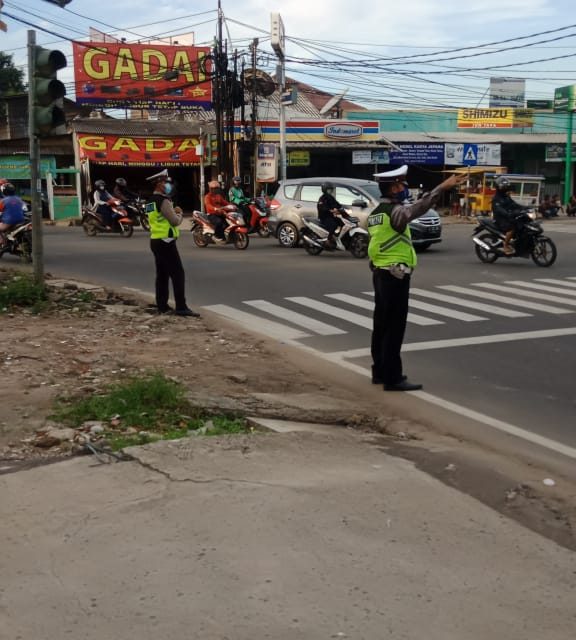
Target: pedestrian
(164, 222)
(392, 260)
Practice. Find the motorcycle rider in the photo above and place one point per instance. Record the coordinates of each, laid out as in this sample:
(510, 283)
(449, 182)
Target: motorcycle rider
(121, 191)
(505, 211)
(328, 207)
(101, 198)
(216, 206)
(236, 196)
(11, 211)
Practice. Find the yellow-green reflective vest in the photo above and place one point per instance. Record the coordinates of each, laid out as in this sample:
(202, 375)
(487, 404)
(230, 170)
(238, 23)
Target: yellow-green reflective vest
(159, 227)
(387, 246)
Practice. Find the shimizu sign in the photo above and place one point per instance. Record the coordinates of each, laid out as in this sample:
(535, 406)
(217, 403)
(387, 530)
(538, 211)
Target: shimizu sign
(500, 118)
(343, 130)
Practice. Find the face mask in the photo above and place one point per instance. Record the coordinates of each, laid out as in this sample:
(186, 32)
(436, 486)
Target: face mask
(167, 188)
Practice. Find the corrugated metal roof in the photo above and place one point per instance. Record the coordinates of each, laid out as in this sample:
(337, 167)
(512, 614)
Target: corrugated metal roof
(474, 138)
(136, 128)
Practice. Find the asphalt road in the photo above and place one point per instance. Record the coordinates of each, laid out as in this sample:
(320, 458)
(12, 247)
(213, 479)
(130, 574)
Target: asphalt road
(497, 345)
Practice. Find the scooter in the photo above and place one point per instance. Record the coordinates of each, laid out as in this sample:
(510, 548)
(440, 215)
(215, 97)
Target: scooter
(235, 231)
(121, 223)
(19, 240)
(259, 213)
(351, 237)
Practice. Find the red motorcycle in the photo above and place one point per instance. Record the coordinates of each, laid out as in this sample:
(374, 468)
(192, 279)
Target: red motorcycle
(259, 213)
(121, 222)
(235, 231)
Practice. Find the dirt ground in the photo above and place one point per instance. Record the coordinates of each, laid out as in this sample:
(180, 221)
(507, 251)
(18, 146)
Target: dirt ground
(80, 345)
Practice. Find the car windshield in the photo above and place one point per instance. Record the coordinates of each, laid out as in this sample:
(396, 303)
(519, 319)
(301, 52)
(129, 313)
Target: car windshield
(372, 189)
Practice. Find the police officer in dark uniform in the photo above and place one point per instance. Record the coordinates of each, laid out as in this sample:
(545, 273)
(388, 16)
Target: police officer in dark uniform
(327, 207)
(164, 222)
(393, 259)
(506, 211)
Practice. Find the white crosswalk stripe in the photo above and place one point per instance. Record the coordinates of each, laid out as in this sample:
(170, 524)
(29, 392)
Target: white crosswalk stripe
(525, 294)
(294, 317)
(534, 296)
(336, 312)
(470, 304)
(368, 304)
(561, 283)
(542, 287)
(505, 300)
(258, 324)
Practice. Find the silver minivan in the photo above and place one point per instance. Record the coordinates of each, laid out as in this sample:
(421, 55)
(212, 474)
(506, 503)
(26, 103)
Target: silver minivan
(298, 197)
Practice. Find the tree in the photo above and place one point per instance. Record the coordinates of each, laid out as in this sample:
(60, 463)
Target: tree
(11, 79)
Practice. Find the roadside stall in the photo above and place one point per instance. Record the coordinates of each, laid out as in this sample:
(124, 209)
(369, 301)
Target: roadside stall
(477, 193)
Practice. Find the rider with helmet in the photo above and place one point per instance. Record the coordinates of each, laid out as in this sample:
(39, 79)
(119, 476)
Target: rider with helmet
(216, 206)
(236, 196)
(121, 191)
(11, 210)
(328, 207)
(505, 211)
(101, 198)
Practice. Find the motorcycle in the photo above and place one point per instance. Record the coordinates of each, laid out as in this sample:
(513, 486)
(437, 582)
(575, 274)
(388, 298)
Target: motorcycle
(19, 240)
(528, 242)
(259, 212)
(235, 231)
(351, 237)
(121, 222)
(136, 210)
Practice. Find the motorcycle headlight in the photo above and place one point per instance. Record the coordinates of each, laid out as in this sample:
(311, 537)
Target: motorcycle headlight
(532, 215)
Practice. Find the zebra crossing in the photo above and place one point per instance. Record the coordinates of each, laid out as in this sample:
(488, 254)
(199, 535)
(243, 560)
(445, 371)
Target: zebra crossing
(330, 314)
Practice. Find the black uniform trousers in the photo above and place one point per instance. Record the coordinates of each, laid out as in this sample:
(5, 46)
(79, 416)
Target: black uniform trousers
(168, 267)
(390, 314)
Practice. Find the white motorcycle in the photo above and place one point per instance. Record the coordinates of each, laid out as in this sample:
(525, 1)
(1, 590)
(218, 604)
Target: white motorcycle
(350, 237)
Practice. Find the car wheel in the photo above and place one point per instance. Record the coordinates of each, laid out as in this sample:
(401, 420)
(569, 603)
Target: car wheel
(287, 235)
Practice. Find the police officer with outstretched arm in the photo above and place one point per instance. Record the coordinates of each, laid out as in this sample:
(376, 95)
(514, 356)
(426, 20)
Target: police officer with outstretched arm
(392, 260)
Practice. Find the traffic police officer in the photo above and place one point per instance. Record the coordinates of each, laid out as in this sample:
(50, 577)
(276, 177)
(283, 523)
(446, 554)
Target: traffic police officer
(164, 222)
(392, 260)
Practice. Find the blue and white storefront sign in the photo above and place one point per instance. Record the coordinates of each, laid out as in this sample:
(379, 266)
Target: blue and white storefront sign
(472, 154)
(418, 153)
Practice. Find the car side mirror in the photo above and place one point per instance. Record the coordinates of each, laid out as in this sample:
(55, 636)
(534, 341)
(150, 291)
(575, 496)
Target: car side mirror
(360, 203)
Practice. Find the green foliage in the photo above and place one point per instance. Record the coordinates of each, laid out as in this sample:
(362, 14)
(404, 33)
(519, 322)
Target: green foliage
(153, 404)
(22, 291)
(11, 79)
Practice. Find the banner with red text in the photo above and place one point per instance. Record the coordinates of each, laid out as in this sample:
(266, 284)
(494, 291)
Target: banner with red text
(138, 151)
(142, 76)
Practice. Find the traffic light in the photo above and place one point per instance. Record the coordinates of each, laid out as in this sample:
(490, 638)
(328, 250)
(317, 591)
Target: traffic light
(48, 91)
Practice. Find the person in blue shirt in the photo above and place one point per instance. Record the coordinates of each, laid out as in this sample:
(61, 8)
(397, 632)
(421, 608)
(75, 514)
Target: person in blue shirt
(11, 211)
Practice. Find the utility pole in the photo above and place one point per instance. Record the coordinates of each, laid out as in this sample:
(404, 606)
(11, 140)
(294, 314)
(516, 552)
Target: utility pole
(218, 95)
(35, 186)
(253, 114)
(278, 41)
(568, 166)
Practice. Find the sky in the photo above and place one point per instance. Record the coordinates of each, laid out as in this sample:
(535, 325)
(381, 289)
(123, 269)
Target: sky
(421, 55)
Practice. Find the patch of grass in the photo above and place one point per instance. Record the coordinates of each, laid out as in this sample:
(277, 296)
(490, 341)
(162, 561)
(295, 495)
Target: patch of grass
(21, 291)
(152, 404)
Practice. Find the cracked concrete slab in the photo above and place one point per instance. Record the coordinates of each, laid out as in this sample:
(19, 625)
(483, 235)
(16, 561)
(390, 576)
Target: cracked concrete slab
(279, 536)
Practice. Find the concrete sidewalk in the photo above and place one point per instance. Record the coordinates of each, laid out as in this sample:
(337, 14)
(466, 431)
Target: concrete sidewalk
(281, 536)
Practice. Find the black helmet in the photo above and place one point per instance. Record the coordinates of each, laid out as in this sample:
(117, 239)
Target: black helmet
(327, 186)
(503, 184)
(100, 184)
(121, 182)
(8, 189)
